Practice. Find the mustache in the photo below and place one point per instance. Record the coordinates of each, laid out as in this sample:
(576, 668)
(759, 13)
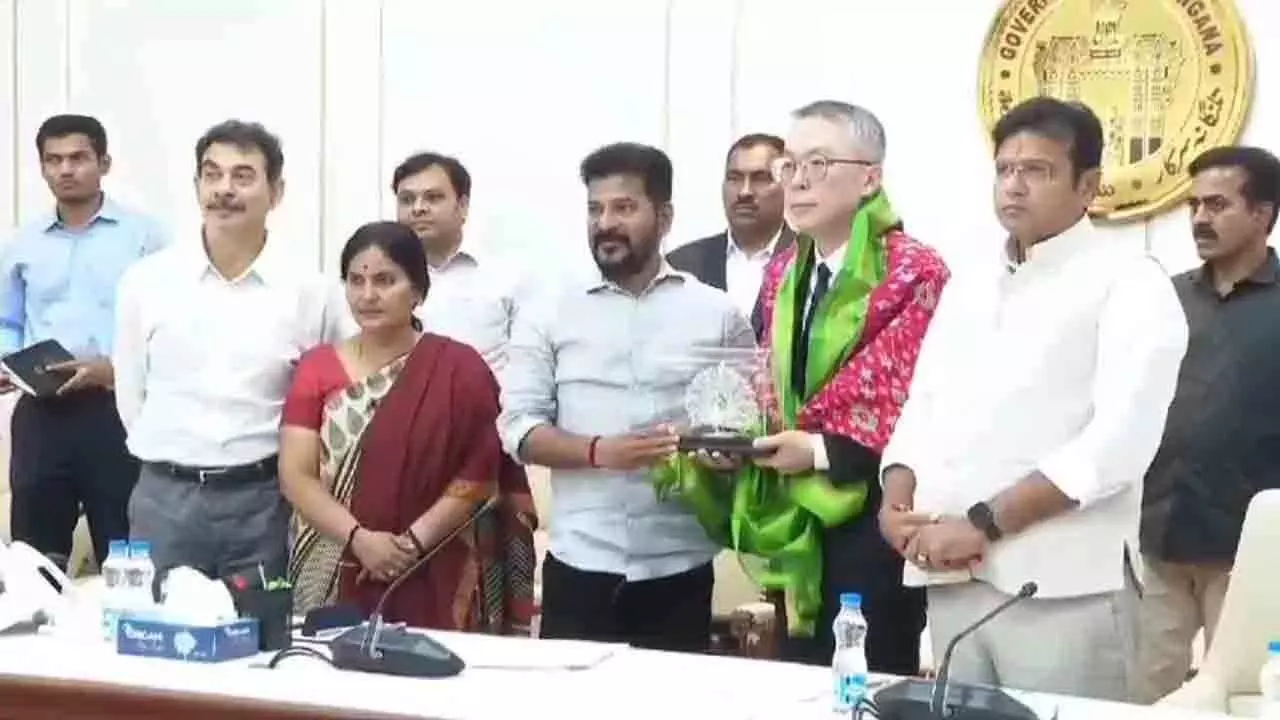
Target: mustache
(609, 235)
(224, 203)
(1204, 231)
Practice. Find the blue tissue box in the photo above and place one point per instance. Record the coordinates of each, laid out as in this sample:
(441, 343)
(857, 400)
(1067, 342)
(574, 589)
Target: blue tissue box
(149, 637)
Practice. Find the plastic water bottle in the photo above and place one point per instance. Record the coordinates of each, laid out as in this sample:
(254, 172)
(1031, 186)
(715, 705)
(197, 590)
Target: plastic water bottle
(1269, 682)
(114, 596)
(849, 662)
(140, 575)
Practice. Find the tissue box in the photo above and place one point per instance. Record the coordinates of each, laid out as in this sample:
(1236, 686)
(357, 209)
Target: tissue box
(153, 637)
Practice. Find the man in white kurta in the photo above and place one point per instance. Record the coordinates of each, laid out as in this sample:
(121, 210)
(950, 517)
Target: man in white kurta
(1038, 403)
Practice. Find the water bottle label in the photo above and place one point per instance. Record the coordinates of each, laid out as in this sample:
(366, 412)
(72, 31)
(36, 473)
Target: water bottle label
(850, 689)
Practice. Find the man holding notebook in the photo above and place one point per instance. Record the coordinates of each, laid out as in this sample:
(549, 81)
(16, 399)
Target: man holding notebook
(57, 287)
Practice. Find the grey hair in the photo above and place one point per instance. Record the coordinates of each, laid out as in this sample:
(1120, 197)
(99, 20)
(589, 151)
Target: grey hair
(864, 127)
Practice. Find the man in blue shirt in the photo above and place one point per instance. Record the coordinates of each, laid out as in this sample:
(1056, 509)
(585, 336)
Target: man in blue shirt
(58, 280)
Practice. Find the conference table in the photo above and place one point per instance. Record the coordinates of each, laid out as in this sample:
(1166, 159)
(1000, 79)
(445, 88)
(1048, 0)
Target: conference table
(51, 676)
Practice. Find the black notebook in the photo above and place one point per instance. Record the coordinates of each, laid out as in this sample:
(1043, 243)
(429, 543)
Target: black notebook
(28, 368)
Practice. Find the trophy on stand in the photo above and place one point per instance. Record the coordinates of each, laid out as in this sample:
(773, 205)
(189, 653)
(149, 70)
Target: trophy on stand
(724, 400)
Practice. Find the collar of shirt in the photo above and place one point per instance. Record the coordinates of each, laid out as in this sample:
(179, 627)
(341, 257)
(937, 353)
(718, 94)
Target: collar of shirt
(262, 268)
(108, 211)
(466, 254)
(666, 274)
(765, 252)
(832, 261)
(1267, 273)
(1054, 251)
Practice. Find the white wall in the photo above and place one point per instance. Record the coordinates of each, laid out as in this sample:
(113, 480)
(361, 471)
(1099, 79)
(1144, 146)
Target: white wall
(520, 92)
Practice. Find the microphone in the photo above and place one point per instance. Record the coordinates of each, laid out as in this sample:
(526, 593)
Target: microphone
(939, 700)
(916, 699)
(376, 647)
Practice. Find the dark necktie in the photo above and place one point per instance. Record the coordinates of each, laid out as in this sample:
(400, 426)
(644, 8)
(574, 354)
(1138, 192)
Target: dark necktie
(802, 349)
(819, 291)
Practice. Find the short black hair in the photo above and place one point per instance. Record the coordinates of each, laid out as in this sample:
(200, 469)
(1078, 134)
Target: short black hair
(1072, 123)
(746, 142)
(1261, 173)
(643, 161)
(414, 164)
(399, 243)
(60, 126)
(245, 136)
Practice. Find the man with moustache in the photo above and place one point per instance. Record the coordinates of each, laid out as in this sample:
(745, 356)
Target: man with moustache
(207, 335)
(473, 294)
(58, 282)
(734, 260)
(1219, 446)
(589, 391)
(1037, 406)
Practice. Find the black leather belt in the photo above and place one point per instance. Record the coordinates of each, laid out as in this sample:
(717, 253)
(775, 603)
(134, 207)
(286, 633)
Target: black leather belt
(262, 470)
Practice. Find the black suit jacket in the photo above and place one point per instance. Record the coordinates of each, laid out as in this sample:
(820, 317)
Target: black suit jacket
(706, 259)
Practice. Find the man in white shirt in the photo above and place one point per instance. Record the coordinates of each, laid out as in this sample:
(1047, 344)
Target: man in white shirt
(734, 260)
(207, 335)
(473, 294)
(1038, 403)
(589, 392)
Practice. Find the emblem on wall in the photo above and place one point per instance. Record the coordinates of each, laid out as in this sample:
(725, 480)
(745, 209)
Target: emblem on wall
(1167, 78)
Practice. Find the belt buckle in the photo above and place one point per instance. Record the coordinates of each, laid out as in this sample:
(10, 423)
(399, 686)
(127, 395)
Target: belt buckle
(203, 474)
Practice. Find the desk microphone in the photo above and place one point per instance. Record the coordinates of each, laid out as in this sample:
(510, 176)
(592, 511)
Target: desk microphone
(376, 647)
(916, 699)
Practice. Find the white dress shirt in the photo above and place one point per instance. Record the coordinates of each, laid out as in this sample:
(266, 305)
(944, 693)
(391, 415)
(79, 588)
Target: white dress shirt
(472, 300)
(744, 272)
(203, 363)
(1065, 364)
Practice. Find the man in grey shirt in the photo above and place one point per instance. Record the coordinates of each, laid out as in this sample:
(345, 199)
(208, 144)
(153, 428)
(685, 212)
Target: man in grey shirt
(590, 391)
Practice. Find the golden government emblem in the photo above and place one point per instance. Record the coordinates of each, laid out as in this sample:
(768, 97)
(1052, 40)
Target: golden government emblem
(1167, 78)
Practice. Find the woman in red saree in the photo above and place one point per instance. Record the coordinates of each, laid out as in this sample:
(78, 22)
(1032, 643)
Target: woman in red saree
(388, 445)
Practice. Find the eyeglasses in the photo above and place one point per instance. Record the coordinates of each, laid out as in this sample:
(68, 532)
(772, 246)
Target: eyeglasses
(814, 167)
(1029, 171)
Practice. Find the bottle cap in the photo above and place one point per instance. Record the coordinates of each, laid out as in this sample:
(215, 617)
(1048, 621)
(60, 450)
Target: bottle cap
(118, 547)
(851, 600)
(140, 548)
(1273, 647)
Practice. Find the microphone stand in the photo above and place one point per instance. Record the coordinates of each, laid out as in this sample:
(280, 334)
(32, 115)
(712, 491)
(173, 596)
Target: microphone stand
(917, 699)
(370, 645)
(940, 681)
(404, 652)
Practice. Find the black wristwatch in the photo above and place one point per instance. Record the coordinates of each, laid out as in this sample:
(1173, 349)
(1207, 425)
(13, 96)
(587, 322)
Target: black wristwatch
(982, 517)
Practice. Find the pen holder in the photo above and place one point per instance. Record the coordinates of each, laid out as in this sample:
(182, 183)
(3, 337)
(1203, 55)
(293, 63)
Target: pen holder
(274, 611)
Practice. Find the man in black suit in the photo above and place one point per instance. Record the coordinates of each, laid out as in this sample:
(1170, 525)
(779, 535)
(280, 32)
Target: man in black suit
(734, 260)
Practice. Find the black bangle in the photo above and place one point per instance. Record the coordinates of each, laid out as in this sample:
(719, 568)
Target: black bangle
(351, 536)
(417, 544)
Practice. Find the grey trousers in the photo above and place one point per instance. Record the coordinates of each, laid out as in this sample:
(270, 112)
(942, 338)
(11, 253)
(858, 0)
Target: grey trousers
(216, 529)
(1081, 646)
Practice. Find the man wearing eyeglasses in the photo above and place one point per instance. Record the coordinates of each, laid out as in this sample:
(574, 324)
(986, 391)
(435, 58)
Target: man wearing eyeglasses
(844, 311)
(734, 260)
(1038, 404)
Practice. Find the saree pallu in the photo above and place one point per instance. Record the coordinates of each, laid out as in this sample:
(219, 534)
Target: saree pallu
(419, 430)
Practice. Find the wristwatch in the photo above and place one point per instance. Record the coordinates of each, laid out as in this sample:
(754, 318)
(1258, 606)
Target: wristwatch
(982, 517)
